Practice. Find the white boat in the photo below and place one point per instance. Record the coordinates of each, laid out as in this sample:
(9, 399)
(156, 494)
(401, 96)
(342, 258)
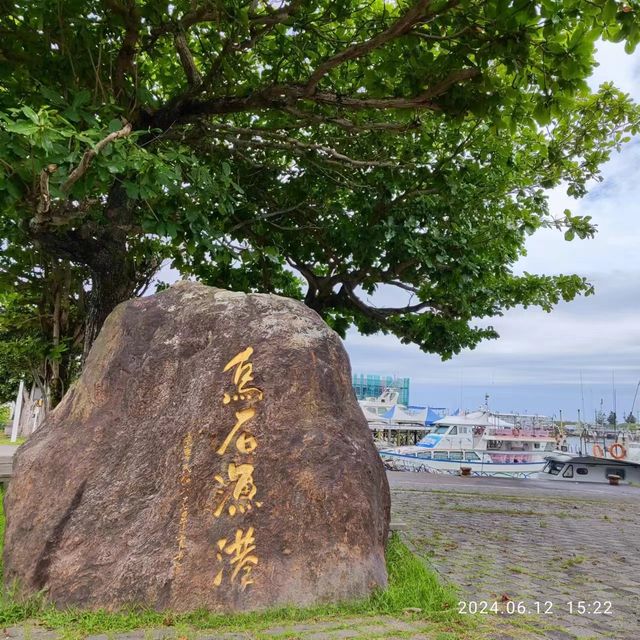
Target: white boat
(375, 408)
(485, 443)
(575, 468)
(385, 413)
(625, 447)
(380, 405)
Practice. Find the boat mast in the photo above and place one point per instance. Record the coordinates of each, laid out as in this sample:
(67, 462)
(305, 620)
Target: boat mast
(635, 395)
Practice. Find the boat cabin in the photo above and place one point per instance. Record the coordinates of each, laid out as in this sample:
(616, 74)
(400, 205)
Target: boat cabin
(589, 469)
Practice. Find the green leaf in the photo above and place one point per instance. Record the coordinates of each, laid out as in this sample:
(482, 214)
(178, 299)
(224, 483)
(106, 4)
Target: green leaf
(22, 128)
(31, 114)
(114, 125)
(131, 189)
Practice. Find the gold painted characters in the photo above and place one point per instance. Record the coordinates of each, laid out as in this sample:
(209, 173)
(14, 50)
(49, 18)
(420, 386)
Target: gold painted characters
(235, 493)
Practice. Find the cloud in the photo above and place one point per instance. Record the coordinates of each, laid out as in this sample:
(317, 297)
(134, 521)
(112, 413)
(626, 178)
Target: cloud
(614, 206)
(617, 67)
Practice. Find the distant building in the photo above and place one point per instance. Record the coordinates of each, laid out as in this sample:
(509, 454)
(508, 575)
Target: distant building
(371, 386)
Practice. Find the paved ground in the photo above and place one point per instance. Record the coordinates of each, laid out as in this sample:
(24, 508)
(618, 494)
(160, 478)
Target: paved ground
(538, 543)
(524, 545)
(7, 450)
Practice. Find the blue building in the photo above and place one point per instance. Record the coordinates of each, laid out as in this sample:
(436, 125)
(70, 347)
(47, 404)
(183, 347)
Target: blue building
(372, 385)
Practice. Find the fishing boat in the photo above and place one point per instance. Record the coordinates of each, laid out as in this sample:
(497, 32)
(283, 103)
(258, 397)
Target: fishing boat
(577, 468)
(480, 443)
(626, 446)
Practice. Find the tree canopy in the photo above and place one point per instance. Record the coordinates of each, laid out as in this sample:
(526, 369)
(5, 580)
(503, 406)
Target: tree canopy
(323, 150)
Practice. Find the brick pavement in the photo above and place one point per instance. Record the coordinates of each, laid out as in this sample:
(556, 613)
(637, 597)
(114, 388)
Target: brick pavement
(508, 545)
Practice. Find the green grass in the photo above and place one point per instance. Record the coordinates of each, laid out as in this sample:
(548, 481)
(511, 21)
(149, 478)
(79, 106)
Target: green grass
(5, 439)
(411, 586)
(572, 562)
(504, 512)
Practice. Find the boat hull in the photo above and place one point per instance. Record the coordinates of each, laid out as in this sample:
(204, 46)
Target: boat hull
(405, 462)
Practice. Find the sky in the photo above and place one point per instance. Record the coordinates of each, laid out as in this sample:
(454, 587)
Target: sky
(584, 352)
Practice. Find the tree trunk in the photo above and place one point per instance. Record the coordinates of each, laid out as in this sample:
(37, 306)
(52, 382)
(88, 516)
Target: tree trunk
(55, 384)
(116, 273)
(114, 280)
(58, 374)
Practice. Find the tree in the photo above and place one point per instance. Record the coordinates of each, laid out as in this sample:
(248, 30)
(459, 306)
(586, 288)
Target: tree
(630, 419)
(41, 323)
(612, 419)
(323, 150)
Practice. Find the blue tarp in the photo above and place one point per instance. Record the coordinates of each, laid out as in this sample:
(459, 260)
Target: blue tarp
(389, 414)
(433, 413)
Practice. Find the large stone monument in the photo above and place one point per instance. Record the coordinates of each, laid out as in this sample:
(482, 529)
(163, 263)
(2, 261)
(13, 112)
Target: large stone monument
(211, 455)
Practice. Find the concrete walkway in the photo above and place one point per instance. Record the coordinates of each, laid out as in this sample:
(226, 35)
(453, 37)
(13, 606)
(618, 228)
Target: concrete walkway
(8, 450)
(516, 545)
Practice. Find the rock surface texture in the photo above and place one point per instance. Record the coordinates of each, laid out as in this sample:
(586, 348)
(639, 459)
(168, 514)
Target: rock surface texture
(211, 455)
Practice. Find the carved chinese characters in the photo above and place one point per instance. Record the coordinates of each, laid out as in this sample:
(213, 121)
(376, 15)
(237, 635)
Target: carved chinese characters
(185, 481)
(236, 489)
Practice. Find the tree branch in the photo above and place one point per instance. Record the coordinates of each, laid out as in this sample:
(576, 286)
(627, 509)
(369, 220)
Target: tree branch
(188, 20)
(349, 125)
(401, 26)
(309, 276)
(44, 198)
(130, 15)
(266, 216)
(90, 154)
(186, 60)
(402, 285)
(183, 109)
(274, 140)
(425, 99)
(380, 313)
(276, 16)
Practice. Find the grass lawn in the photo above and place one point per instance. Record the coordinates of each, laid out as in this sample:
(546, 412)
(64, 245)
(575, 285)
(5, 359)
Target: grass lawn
(5, 439)
(411, 586)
